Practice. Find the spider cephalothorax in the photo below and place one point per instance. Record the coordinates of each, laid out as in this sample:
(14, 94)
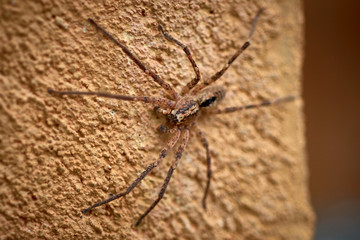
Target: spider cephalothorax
(182, 111)
(188, 108)
(186, 111)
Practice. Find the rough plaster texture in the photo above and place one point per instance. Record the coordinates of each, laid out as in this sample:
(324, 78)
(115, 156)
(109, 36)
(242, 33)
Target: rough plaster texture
(61, 154)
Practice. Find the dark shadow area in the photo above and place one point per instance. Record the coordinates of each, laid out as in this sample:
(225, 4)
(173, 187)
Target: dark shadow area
(332, 108)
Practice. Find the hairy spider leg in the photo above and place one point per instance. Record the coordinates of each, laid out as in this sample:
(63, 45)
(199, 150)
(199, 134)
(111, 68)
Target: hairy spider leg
(194, 81)
(156, 77)
(205, 143)
(217, 75)
(162, 155)
(163, 102)
(249, 106)
(163, 129)
(172, 168)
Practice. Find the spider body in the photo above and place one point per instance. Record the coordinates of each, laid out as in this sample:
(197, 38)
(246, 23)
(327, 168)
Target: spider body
(189, 107)
(186, 111)
(181, 110)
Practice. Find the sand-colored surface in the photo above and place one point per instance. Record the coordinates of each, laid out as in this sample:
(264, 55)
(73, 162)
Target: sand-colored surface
(58, 155)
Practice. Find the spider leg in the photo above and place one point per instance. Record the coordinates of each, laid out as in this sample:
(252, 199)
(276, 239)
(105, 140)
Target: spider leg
(193, 82)
(156, 77)
(205, 143)
(217, 75)
(249, 106)
(163, 154)
(163, 102)
(172, 168)
(163, 129)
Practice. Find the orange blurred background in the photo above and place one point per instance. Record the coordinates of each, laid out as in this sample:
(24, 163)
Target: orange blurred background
(332, 108)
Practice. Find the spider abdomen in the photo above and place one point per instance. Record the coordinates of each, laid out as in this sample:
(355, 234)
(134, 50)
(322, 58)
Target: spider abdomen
(211, 96)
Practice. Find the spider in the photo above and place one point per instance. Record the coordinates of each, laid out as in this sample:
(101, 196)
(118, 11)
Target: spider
(181, 111)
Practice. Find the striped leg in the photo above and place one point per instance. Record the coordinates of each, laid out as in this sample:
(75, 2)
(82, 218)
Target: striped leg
(156, 78)
(205, 143)
(232, 59)
(163, 154)
(163, 102)
(244, 107)
(173, 166)
(193, 82)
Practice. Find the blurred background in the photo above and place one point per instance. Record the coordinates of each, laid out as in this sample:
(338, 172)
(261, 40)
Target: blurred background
(332, 108)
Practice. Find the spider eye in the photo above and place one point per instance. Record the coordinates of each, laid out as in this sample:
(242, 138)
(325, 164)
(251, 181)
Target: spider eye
(208, 102)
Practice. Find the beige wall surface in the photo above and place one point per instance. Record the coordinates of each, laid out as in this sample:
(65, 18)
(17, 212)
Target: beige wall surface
(59, 155)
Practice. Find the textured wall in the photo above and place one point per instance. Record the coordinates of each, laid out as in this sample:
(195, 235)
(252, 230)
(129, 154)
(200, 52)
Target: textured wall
(61, 154)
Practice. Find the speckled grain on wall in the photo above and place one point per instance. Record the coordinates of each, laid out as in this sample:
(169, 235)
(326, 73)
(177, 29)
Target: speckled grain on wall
(58, 155)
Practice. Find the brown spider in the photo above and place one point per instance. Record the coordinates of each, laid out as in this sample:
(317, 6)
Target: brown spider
(181, 111)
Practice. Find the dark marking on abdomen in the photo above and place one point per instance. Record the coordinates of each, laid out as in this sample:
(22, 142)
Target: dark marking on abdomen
(207, 102)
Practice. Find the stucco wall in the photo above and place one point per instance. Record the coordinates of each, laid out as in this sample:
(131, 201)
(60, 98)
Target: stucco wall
(59, 155)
